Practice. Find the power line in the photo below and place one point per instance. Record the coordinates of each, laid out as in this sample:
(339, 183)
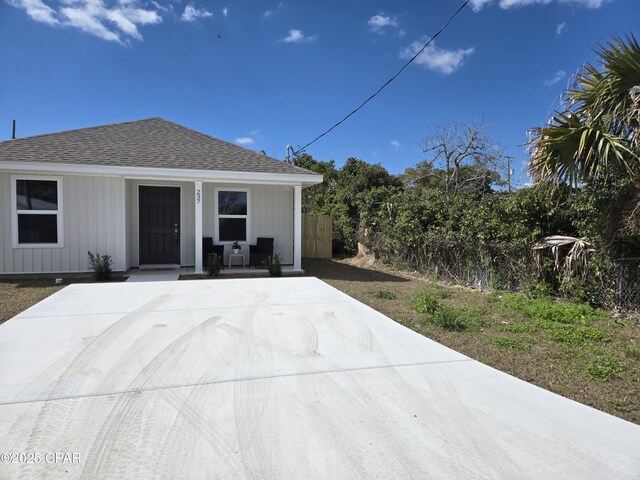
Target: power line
(446, 24)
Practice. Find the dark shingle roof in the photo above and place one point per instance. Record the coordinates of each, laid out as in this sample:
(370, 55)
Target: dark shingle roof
(151, 143)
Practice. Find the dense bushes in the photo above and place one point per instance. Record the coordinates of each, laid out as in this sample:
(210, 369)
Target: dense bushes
(481, 240)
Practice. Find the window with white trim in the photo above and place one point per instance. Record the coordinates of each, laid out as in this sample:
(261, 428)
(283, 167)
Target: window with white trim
(232, 220)
(37, 207)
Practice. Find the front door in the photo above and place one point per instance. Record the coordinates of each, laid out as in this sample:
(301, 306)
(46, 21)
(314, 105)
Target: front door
(159, 225)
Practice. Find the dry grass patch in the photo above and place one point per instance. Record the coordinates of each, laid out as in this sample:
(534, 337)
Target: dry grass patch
(572, 350)
(19, 293)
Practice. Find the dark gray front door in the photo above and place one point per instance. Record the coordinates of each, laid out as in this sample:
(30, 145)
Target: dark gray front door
(159, 225)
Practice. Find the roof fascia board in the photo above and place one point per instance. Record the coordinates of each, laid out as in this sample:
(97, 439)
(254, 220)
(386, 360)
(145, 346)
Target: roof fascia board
(166, 173)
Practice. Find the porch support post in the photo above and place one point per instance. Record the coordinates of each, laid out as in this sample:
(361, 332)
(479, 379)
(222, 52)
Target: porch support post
(198, 205)
(297, 227)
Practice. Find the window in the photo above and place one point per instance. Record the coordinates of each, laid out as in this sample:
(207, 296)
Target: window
(37, 206)
(232, 215)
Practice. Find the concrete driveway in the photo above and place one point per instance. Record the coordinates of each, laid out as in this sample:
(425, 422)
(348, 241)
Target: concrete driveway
(272, 378)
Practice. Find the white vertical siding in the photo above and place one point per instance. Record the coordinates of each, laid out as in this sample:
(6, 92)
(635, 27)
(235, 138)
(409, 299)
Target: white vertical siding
(100, 214)
(270, 215)
(93, 218)
(127, 223)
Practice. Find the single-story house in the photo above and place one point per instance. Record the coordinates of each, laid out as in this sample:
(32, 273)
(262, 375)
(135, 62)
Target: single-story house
(144, 192)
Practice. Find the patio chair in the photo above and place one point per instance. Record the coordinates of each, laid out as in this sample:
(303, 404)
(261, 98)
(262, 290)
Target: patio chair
(259, 252)
(207, 248)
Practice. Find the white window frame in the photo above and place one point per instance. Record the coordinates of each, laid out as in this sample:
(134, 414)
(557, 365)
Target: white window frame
(217, 216)
(15, 212)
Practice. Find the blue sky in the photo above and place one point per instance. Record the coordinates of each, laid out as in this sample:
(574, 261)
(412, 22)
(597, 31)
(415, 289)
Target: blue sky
(284, 72)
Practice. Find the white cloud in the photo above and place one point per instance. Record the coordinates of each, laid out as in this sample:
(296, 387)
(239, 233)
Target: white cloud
(477, 5)
(560, 28)
(395, 143)
(111, 21)
(37, 10)
(434, 58)
(244, 140)
(555, 78)
(271, 12)
(380, 21)
(296, 36)
(191, 13)
(225, 11)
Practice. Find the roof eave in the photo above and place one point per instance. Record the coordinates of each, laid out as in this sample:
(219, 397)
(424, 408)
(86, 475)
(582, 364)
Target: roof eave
(219, 176)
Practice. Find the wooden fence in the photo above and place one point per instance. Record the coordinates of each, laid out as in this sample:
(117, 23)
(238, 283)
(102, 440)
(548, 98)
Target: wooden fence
(317, 233)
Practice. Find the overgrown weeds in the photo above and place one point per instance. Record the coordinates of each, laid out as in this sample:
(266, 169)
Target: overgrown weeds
(425, 302)
(604, 368)
(385, 295)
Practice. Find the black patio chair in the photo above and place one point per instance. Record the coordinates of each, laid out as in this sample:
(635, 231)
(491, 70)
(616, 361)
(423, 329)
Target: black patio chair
(259, 252)
(207, 248)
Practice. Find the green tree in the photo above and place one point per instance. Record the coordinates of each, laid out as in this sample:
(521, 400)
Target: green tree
(317, 199)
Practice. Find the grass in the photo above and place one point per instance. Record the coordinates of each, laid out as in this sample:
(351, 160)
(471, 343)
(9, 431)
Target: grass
(518, 343)
(19, 293)
(425, 302)
(385, 294)
(570, 349)
(605, 367)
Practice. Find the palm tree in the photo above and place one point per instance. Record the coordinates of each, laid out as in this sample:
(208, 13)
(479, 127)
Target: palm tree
(597, 137)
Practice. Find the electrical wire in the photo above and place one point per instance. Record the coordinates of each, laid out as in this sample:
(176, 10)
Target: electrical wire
(446, 24)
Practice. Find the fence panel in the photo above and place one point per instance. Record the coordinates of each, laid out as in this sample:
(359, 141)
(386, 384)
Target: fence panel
(317, 233)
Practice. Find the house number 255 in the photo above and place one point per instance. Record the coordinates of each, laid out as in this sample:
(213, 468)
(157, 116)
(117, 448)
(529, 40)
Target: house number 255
(198, 196)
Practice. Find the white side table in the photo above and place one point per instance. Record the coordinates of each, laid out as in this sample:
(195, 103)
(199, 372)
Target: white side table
(233, 256)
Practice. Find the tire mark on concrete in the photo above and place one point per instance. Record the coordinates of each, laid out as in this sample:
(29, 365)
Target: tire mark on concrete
(114, 428)
(189, 410)
(60, 412)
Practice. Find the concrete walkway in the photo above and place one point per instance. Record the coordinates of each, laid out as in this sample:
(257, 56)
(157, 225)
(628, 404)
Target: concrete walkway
(274, 378)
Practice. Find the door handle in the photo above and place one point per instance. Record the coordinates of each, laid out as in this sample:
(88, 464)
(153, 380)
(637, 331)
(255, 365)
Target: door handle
(176, 233)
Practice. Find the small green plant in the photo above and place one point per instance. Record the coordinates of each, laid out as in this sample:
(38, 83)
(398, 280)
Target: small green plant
(385, 295)
(274, 266)
(575, 290)
(540, 289)
(493, 297)
(547, 310)
(519, 327)
(572, 334)
(632, 352)
(448, 319)
(425, 302)
(444, 294)
(213, 267)
(101, 266)
(604, 368)
(516, 343)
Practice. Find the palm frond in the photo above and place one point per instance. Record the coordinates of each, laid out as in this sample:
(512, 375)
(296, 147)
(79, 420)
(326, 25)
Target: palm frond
(568, 151)
(599, 133)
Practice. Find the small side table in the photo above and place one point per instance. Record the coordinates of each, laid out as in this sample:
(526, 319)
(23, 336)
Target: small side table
(233, 256)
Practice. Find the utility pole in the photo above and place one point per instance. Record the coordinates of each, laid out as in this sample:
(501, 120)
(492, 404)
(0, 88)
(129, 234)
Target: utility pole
(509, 173)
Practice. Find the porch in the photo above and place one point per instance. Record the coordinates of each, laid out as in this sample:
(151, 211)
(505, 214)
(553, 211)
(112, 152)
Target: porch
(184, 273)
(167, 220)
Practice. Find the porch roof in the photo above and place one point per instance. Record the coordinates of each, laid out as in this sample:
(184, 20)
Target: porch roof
(150, 147)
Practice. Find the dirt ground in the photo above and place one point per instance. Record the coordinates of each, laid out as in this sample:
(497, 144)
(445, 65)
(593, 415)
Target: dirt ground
(559, 367)
(20, 292)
